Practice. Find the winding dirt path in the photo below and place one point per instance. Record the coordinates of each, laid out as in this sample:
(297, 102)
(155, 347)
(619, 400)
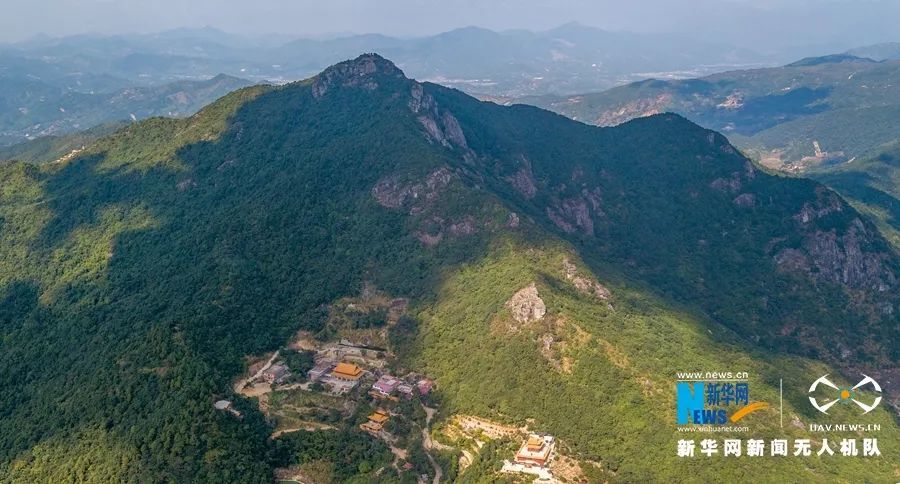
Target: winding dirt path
(239, 386)
(308, 426)
(428, 444)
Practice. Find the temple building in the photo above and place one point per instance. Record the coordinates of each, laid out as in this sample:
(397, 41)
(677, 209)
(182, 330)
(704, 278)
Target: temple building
(386, 385)
(376, 421)
(347, 372)
(535, 452)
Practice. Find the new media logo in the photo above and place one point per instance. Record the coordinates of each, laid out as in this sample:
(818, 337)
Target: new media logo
(844, 395)
(713, 398)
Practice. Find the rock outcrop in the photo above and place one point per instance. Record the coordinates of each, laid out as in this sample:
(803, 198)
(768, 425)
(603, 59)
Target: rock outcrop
(526, 305)
(391, 192)
(523, 180)
(440, 124)
(584, 284)
(572, 214)
(847, 257)
(840, 259)
(512, 220)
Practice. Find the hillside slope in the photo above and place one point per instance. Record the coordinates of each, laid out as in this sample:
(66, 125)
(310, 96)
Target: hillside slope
(137, 276)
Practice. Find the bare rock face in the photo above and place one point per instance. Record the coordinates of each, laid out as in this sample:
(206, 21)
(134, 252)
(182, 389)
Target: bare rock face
(453, 130)
(417, 98)
(432, 129)
(840, 259)
(523, 180)
(464, 227)
(735, 100)
(749, 170)
(526, 305)
(583, 284)
(572, 214)
(720, 142)
(438, 179)
(827, 203)
(440, 124)
(578, 211)
(390, 192)
(593, 198)
(559, 221)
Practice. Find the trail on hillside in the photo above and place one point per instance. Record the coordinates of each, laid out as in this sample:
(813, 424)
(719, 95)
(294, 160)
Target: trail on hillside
(242, 383)
(428, 444)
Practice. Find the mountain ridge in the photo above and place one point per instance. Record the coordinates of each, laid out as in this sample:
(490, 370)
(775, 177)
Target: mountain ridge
(175, 248)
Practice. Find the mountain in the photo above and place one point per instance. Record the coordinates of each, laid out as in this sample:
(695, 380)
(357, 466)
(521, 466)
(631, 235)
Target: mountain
(31, 108)
(830, 118)
(570, 58)
(549, 274)
(843, 104)
(829, 59)
(883, 51)
(518, 62)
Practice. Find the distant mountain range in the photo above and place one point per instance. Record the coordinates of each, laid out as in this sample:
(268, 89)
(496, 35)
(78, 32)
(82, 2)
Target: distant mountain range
(816, 110)
(32, 108)
(570, 58)
(883, 51)
(55, 86)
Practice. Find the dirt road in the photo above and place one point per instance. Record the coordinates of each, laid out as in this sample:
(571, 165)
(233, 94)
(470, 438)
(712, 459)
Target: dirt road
(428, 444)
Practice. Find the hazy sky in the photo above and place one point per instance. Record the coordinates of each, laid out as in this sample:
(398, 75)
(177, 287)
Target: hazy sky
(761, 23)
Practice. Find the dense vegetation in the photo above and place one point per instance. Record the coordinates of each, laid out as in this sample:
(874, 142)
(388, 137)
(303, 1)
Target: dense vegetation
(136, 277)
(348, 453)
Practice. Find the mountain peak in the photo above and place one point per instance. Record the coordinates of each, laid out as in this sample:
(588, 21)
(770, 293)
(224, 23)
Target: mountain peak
(364, 71)
(371, 62)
